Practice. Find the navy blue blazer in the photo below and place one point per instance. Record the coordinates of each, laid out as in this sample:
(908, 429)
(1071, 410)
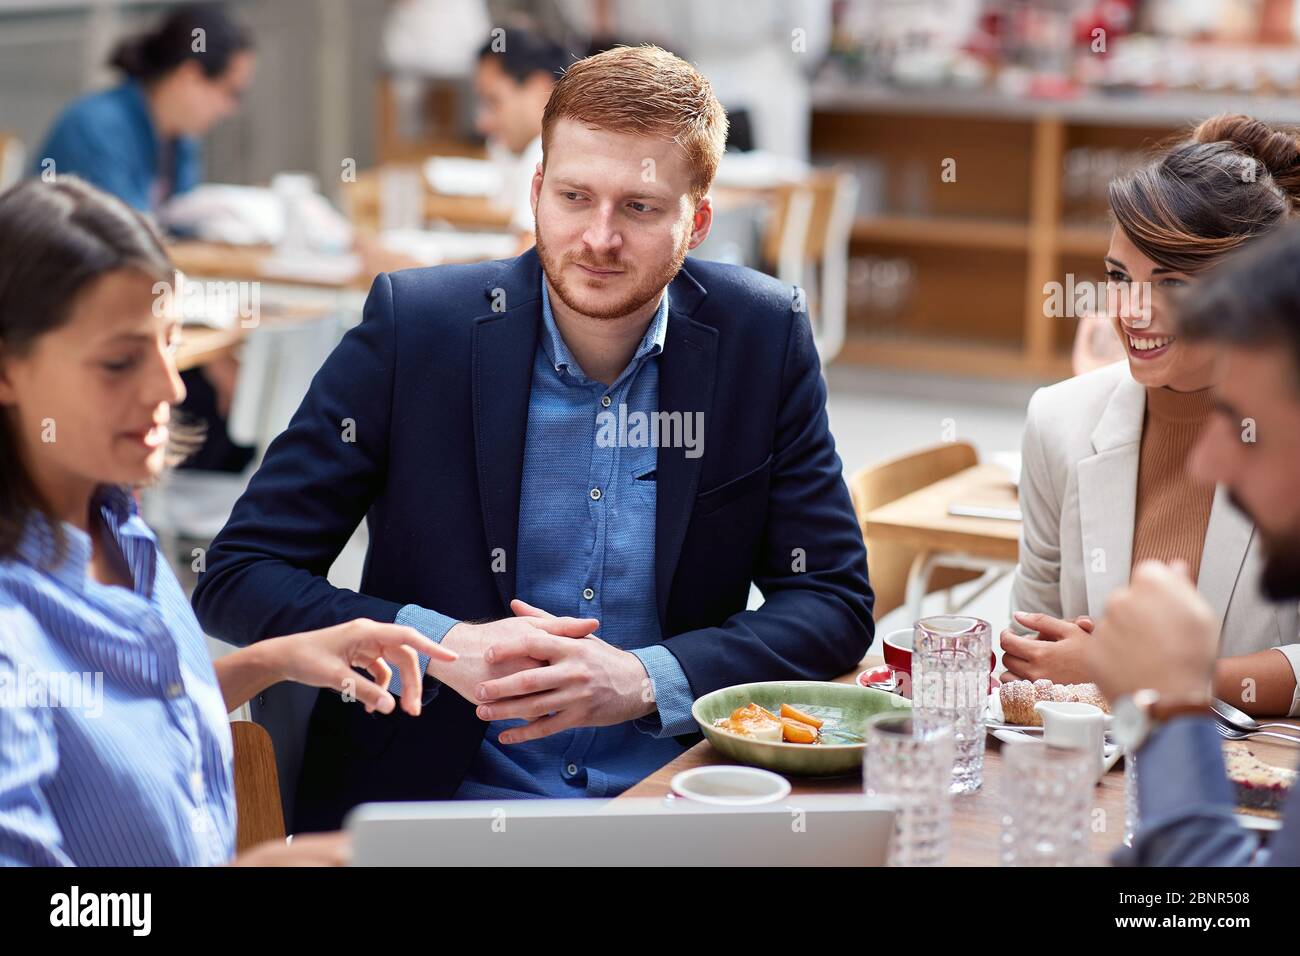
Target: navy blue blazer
(434, 384)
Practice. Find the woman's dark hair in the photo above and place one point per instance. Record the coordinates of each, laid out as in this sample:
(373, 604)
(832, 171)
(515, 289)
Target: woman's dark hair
(1234, 178)
(56, 239)
(176, 39)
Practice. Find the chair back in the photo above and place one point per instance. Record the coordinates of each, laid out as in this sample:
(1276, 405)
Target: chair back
(807, 244)
(876, 485)
(257, 786)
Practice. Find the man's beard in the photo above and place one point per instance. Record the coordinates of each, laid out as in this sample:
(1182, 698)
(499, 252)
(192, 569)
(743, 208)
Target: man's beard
(1280, 579)
(642, 293)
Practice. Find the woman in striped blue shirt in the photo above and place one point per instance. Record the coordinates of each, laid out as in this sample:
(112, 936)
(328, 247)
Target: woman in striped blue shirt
(114, 743)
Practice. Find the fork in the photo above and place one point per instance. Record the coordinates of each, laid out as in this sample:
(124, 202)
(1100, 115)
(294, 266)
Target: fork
(1231, 734)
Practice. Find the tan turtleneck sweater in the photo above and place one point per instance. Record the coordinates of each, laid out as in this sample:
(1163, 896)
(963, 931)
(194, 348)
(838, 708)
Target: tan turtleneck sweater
(1172, 511)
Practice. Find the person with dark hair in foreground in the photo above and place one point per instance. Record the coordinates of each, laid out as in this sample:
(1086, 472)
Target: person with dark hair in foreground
(1153, 651)
(115, 748)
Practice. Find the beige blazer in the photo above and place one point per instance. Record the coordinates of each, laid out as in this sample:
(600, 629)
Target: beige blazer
(1078, 493)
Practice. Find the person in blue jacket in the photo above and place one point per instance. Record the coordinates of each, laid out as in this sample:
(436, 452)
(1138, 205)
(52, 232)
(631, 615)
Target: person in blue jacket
(140, 140)
(599, 428)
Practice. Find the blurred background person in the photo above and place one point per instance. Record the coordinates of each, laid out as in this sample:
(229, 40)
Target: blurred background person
(139, 140)
(513, 80)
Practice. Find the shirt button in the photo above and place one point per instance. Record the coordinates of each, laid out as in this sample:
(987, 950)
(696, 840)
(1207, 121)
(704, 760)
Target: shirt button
(174, 690)
(595, 494)
(588, 594)
(605, 401)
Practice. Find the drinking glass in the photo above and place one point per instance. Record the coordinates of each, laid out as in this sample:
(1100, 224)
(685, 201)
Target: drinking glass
(1131, 818)
(908, 761)
(950, 679)
(1047, 795)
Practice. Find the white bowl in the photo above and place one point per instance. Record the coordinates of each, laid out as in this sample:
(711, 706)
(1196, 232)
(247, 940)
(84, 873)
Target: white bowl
(733, 786)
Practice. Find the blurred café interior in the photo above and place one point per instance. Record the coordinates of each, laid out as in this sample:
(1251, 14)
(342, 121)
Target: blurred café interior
(926, 169)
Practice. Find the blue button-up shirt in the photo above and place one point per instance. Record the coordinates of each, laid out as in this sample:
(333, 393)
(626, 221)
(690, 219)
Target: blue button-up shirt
(115, 748)
(587, 549)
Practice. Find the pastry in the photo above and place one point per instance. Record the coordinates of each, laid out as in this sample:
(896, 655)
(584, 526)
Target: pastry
(1019, 696)
(1261, 788)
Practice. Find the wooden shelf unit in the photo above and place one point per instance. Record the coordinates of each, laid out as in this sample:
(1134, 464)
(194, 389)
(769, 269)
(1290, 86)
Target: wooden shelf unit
(986, 243)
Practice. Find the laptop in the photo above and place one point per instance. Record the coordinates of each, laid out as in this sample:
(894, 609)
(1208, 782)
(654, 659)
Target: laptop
(823, 830)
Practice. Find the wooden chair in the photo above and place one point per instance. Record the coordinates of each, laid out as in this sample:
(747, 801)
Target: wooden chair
(889, 563)
(257, 787)
(806, 243)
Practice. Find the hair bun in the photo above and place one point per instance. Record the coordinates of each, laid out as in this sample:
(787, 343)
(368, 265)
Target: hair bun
(1277, 149)
(130, 57)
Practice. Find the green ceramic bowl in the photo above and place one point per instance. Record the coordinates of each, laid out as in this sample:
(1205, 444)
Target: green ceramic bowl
(844, 707)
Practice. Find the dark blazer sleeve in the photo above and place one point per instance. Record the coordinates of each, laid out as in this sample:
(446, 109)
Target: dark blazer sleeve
(266, 570)
(815, 622)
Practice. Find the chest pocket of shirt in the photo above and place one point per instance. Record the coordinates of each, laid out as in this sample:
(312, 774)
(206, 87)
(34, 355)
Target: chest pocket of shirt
(712, 500)
(645, 489)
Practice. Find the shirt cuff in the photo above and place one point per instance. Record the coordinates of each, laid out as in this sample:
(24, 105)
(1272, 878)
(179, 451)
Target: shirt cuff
(673, 697)
(1292, 654)
(1180, 772)
(432, 625)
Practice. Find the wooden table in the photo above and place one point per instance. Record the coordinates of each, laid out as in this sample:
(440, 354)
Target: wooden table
(216, 260)
(920, 522)
(202, 344)
(976, 823)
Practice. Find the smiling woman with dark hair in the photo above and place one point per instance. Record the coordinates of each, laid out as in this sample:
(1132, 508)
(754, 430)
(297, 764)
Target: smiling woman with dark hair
(1105, 484)
(139, 772)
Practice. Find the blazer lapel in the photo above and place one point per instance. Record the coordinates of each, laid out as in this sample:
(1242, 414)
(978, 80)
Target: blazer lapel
(1227, 539)
(1108, 494)
(687, 370)
(504, 345)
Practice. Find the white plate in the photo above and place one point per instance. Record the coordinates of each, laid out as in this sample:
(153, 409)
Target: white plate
(1263, 824)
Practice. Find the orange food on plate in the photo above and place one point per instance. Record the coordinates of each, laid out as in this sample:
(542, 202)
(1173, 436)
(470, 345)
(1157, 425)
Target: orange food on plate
(799, 715)
(797, 732)
(792, 727)
(753, 721)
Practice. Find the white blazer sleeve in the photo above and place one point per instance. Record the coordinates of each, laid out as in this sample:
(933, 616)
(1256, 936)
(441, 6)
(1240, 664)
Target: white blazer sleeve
(1292, 653)
(1036, 586)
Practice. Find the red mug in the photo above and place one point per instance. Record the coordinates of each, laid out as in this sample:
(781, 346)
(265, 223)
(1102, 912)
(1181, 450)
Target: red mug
(895, 675)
